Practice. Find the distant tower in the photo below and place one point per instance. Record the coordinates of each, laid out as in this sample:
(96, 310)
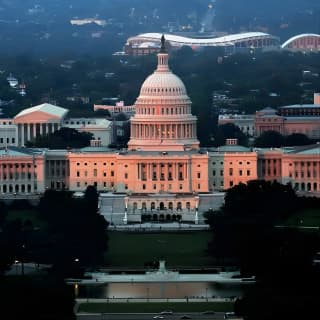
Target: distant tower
(163, 119)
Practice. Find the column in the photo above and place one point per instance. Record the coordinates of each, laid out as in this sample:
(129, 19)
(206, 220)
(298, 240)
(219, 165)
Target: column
(148, 172)
(47, 128)
(22, 134)
(41, 129)
(185, 166)
(28, 131)
(34, 130)
(175, 176)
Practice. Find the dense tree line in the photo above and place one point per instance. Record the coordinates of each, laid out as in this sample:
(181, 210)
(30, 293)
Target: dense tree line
(63, 138)
(73, 237)
(273, 139)
(281, 259)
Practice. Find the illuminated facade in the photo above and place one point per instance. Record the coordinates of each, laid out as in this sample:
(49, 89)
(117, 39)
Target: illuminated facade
(45, 119)
(163, 170)
(163, 175)
(291, 119)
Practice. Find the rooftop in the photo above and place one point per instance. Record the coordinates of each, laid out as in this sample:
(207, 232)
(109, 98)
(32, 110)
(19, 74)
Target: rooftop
(46, 108)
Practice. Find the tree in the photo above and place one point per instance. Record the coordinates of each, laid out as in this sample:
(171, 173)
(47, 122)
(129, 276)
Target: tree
(62, 139)
(242, 225)
(270, 139)
(78, 231)
(297, 139)
(229, 131)
(44, 298)
(245, 233)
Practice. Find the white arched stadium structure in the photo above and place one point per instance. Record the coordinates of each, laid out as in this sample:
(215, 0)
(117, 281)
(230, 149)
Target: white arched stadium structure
(303, 42)
(147, 41)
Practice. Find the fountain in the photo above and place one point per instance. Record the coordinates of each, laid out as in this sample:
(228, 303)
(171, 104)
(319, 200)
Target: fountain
(160, 283)
(163, 275)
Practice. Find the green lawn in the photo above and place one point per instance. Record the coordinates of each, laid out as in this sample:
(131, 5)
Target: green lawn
(305, 218)
(27, 214)
(178, 249)
(154, 307)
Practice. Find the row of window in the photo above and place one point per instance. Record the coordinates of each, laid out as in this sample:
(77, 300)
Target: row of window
(17, 165)
(240, 172)
(104, 185)
(18, 176)
(17, 188)
(303, 174)
(95, 163)
(240, 163)
(307, 186)
(162, 187)
(162, 206)
(95, 173)
(154, 90)
(2, 140)
(167, 111)
(5, 122)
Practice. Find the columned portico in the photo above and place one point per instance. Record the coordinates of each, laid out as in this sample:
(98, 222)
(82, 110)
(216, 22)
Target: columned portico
(39, 120)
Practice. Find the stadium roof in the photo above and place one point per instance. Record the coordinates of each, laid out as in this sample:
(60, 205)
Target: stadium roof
(228, 39)
(299, 36)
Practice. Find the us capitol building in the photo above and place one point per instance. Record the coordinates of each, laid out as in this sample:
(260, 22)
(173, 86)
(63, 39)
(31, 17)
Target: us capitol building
(163, 174)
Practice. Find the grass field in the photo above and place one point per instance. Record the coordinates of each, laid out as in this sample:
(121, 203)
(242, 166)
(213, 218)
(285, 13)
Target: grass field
(154, 307)
(178, 249)
(27, 214)
(305, 218)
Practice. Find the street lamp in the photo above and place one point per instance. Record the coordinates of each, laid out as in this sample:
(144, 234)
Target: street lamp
(16, 263)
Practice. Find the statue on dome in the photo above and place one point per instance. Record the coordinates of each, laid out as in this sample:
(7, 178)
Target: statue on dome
(163, 47)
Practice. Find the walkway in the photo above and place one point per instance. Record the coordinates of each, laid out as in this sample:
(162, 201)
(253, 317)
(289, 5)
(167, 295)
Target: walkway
(158, 227)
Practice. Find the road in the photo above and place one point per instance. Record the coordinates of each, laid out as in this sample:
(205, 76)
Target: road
(149, 316)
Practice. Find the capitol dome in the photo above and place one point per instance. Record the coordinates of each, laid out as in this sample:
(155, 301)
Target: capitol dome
(163, 83)
(163, 119)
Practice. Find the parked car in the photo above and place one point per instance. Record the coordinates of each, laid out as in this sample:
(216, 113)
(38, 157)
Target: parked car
(167, 312)
(208, 312)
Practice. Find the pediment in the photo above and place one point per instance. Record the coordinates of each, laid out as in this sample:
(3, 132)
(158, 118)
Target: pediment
(37, 116)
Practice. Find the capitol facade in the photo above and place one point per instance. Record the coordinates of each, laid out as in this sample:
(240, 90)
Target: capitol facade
(163, 175)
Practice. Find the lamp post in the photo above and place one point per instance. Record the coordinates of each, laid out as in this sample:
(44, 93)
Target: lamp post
(16, 263)
(76, 266)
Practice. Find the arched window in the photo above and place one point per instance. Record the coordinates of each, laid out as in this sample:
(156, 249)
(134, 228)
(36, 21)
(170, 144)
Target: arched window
(170, 205)
(153, 205)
